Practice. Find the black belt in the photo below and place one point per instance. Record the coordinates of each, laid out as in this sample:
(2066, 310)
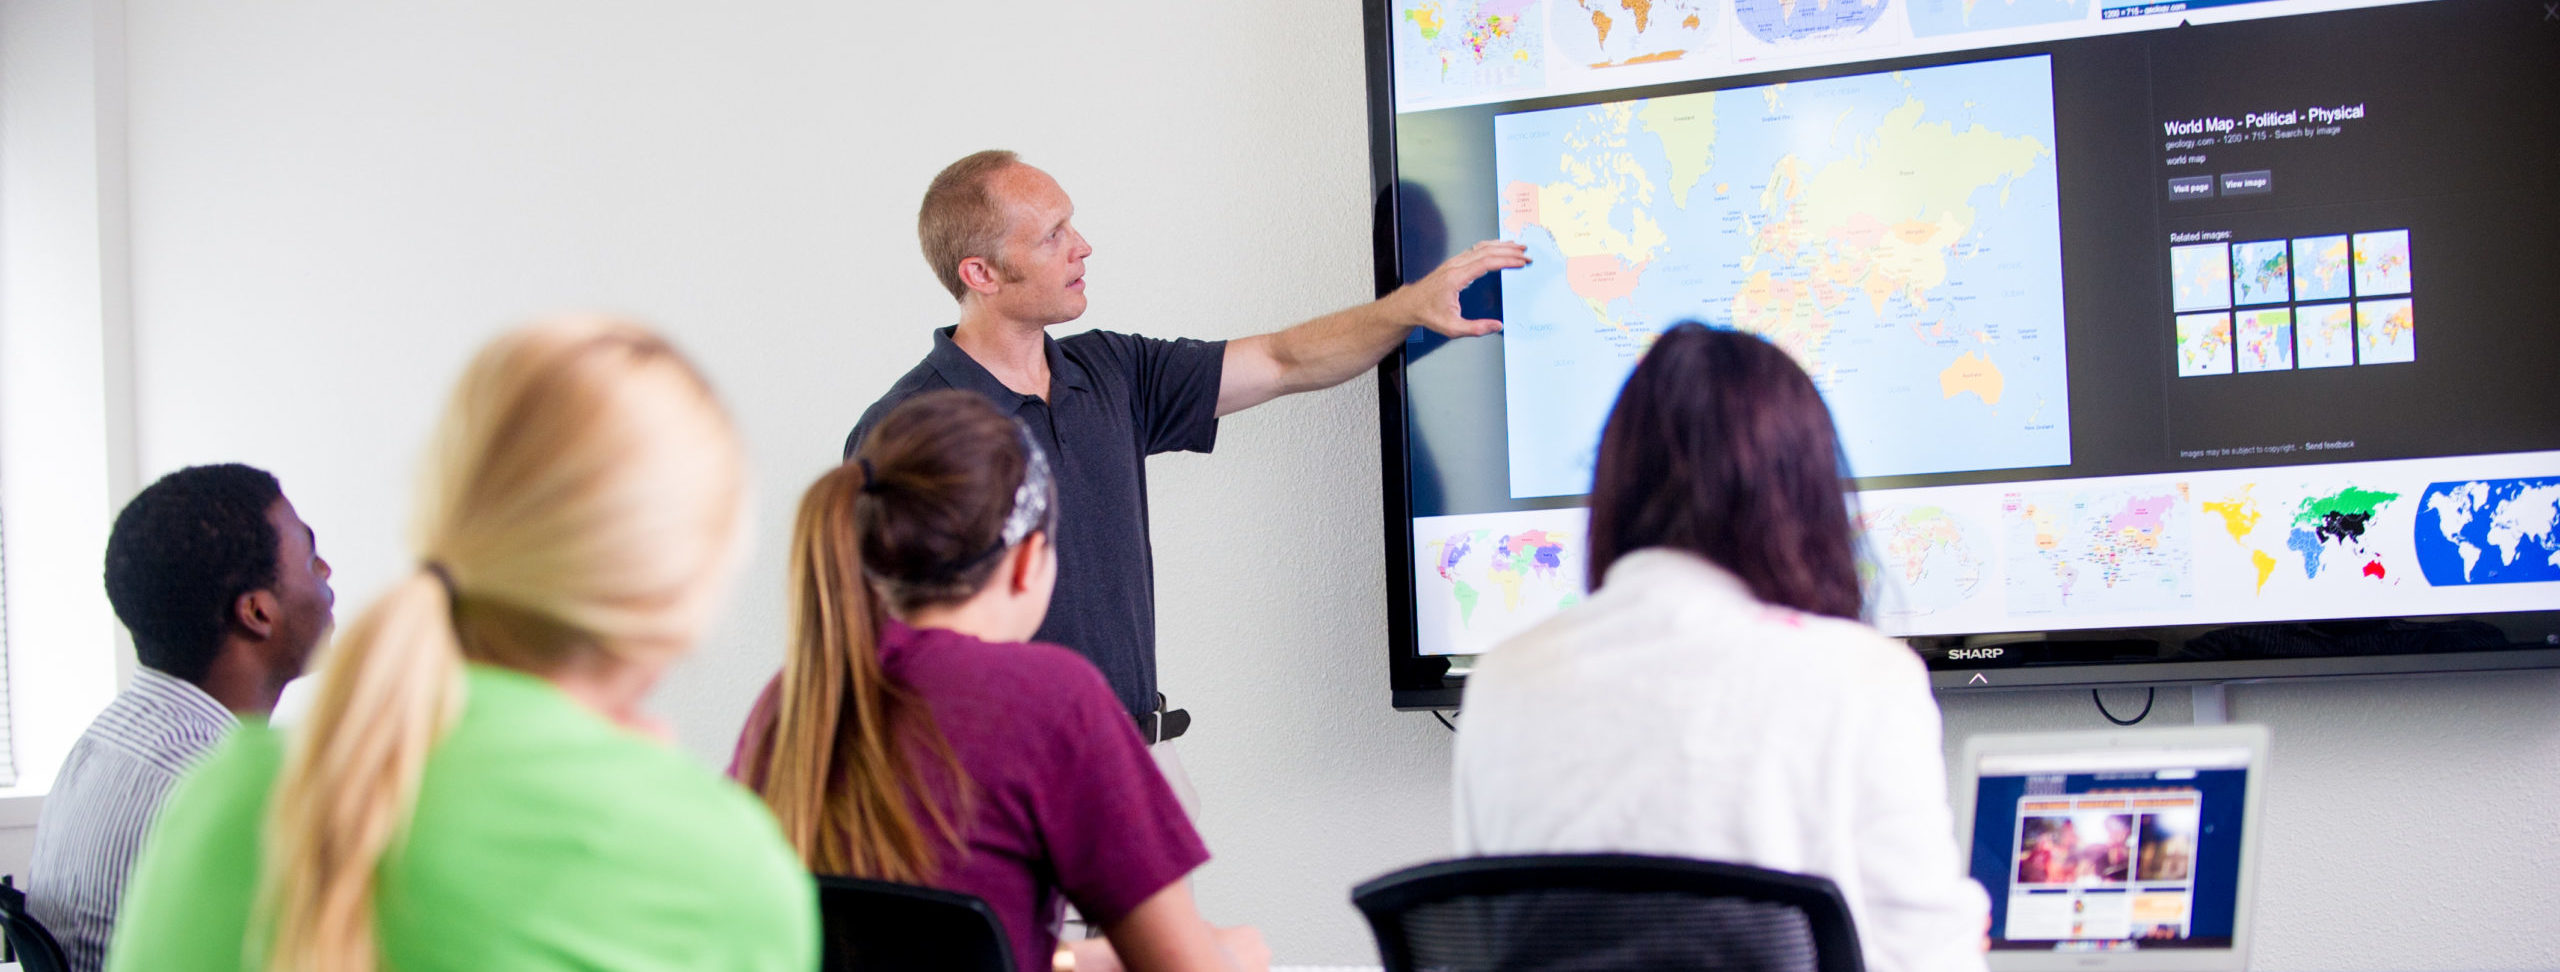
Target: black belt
(1163, 725)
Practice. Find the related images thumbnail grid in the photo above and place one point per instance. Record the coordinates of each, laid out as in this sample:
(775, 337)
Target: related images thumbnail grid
(2318, 287)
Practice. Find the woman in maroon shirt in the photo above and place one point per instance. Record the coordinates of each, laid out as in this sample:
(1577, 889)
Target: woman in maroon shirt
(913, 735)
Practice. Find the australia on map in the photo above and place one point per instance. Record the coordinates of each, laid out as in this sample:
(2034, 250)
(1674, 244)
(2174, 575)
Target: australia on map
(1897, 233)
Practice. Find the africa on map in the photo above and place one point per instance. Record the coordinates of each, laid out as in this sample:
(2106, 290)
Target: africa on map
(1897, 233)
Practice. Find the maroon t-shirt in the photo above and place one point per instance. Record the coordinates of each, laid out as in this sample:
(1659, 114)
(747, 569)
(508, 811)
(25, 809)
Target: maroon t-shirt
(1068, 800)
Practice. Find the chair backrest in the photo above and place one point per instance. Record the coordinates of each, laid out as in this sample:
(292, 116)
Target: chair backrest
(29, 941)
(1604, 912)
(876, 926)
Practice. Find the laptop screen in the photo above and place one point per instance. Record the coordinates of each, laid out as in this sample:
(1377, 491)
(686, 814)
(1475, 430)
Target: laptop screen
(2109, 849)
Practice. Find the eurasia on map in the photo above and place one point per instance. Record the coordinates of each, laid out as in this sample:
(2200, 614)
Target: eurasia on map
(1897, 233)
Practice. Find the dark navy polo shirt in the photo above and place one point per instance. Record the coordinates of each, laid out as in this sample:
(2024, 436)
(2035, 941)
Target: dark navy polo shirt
(1114, 400)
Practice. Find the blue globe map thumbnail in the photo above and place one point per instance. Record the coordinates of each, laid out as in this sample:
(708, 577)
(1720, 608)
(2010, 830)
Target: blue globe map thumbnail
(2495, 531)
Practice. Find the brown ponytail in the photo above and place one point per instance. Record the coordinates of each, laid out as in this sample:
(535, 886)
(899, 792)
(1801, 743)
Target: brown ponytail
(906, 524)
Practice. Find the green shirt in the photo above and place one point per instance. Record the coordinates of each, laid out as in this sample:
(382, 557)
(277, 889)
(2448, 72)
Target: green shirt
(545, 837)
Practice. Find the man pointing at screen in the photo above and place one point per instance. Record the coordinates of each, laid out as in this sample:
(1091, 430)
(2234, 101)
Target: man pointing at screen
(1000, 235)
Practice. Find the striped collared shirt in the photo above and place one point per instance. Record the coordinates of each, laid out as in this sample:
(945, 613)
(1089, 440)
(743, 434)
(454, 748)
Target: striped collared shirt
(104, 801)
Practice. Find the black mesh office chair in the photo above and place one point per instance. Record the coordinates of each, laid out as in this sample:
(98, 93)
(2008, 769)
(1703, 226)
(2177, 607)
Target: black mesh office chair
(33, 947)
(1606, 912)
(876, 926)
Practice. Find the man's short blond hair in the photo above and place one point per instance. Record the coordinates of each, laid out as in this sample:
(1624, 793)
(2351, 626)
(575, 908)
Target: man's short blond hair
(961, 217)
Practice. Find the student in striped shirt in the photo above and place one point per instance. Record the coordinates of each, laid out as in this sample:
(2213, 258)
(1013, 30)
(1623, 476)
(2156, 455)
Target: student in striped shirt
(225, 592)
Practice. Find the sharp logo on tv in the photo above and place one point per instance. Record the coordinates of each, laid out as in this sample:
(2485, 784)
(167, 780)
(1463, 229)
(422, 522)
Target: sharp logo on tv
(1967, 654)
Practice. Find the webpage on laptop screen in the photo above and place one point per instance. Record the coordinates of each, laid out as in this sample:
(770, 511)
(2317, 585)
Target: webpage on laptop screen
(2114, 850)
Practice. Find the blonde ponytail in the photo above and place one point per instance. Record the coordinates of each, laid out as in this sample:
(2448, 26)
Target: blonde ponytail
(584, 494)
(391, 685)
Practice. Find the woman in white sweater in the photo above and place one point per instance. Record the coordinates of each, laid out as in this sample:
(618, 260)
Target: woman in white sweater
(1715, 698)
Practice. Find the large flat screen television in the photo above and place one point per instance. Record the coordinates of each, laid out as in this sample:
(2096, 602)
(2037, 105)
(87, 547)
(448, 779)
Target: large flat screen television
(2167, 342)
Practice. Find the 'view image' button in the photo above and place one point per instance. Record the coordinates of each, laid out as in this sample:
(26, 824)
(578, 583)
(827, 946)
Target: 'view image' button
(2248, 183)
(2192, 187)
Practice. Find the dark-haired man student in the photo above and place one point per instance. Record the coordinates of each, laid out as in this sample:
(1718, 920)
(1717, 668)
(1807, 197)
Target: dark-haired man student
(999, 236)
(224, 590)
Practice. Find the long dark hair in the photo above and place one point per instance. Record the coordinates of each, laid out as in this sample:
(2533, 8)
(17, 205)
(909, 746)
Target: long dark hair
(1720, 446)
(905, 524)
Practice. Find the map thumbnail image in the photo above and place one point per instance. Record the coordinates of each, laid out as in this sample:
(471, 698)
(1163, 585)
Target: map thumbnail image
(1783, 22)
(2322, 535)
(1467, 50)
(1617, 33)
(2261, 273)
(1926, 560)
(1486, 577)
(2382, 263)
(2321, 269)
(2200, 276)
(1936, 18)
(2498, 531)
(2204, 344)
(2327, 532)
(2265, 339)
(1898, 234)
(2386, 332)
(2102, 550)
(2324, 335)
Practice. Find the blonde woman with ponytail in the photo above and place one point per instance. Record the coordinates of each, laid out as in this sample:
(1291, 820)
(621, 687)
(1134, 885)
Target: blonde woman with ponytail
(914, 735)
(475, 786)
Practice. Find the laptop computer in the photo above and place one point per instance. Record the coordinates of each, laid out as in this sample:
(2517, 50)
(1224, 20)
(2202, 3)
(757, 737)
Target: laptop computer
(2131, 849)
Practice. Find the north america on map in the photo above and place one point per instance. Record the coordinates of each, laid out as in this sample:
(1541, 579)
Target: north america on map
(1897, 233)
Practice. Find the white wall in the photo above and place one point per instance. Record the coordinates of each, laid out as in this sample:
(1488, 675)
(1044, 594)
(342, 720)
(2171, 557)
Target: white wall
(61, 222)
(333, 203)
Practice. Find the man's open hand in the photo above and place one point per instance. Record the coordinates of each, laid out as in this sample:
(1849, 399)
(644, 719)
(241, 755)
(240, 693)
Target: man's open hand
(1432, 301)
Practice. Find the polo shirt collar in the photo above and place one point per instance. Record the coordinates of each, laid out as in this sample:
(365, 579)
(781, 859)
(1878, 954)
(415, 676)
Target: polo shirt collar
(964, 372)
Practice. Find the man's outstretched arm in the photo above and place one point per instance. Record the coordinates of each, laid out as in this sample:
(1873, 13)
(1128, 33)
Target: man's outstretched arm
(1331, 349)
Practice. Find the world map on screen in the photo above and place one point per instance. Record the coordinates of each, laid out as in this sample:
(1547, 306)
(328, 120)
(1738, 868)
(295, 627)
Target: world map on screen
(2123, 549)
(1897, 233)
(1618, 33)
(1460, 49)
(2496, 531)
(1784, 21)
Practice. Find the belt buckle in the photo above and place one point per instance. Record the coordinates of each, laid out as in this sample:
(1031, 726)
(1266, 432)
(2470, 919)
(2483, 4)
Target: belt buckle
(1163, 725)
